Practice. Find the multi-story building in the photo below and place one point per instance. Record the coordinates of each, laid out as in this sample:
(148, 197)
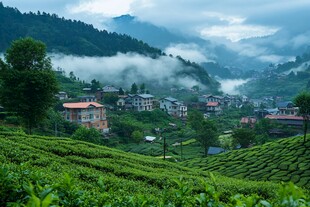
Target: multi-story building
(88, 114)
(173, 107)
(287, 108)
(210, 98)
(142, 102)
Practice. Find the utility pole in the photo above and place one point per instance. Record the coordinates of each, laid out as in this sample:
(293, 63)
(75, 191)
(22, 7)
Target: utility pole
(181, 149)
(162, 132)
(164, 148)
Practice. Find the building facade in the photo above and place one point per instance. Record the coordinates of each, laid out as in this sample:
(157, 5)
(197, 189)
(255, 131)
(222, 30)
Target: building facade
(88, 114)
(173, 107)
(142, 102)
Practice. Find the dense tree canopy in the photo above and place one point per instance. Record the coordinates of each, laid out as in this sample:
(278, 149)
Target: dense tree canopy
(303, 102)
(28, 85)
(207, 135)
(243, 136)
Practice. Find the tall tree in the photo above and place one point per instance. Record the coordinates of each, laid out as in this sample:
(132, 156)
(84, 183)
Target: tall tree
(95, 85)
(134, 88)
(243, 136)
(28, 85)
(207, 135)
(142, 88)
(121, 91)
(302, 100)
(195, 119)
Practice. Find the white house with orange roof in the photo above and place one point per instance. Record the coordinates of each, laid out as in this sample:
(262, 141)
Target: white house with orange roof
(88, 114)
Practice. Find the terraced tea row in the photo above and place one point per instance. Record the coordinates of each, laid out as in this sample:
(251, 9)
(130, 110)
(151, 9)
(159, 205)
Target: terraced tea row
(283, 160)
(128, 172)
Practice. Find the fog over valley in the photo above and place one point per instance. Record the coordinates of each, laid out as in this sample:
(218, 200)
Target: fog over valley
(125, 69)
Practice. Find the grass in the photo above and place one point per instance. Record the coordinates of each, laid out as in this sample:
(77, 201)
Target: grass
(283, 160)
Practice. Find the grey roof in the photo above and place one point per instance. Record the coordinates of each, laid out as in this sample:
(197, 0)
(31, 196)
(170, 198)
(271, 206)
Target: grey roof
(170, 99)
(145, 95)
(285, 104)
(110, 89)
(215, 150)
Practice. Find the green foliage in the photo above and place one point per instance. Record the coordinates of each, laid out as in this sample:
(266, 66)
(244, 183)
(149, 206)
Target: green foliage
(281, 160)
(207, 135)
(80, 39)
(28, 85)
(195, 119)
(302, 100)
(66, 192)
(137, 136)
(110, 98)
(142, 88)
(95, 85)
(243, 136)
(134, 88)
(89, 135)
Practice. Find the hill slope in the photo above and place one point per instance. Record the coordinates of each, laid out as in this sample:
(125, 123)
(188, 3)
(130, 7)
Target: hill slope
(46, 160)
(66, 36)
(80, 39)
(282, 160)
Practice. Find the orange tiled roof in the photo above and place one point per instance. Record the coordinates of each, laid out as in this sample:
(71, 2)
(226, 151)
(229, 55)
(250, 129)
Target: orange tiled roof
(212, 103)
(81, 105)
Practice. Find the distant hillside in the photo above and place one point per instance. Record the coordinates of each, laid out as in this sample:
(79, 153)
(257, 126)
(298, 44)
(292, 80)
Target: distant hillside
(121, 175)
(66, 36)
(283, 160)
(284, 80)
(149, 33)
(73, 37)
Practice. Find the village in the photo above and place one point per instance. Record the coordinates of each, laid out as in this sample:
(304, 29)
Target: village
(91, 111)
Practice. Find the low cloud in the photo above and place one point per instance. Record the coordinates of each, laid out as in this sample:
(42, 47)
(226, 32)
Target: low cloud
(230, 86)
(125, 69)
(237, 32)
(190, 52)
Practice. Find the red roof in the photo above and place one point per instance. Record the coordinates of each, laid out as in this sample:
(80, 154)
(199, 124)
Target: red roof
(247, 120)
(81, 105)
(212, 103)
(284, 117)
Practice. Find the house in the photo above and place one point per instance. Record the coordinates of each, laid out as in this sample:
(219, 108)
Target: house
(214, 107)
(89, 98)
(296, 121)
(257, 103)
(121, 102)
(62, 95)
(210, 98)
(141, 102)
(87, 90)
(88, 114)
(106, 90)
(227, 100)
(261, 113)
(244, 99)
(173, 107)
(248, 121)
(287, 108)
(110, 89)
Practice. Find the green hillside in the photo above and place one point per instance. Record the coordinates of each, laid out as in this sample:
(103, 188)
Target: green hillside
(101, 175)
(66, 36)
(283, 160)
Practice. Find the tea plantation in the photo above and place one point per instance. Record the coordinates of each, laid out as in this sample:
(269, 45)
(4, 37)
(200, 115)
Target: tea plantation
(283, 160)
(51, 171)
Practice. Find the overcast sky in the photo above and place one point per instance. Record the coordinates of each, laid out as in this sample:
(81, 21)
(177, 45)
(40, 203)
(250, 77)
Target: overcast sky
(230, 19)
